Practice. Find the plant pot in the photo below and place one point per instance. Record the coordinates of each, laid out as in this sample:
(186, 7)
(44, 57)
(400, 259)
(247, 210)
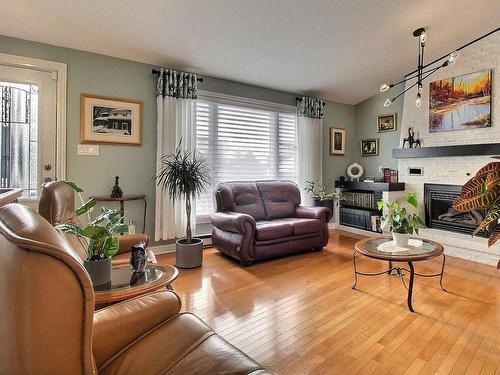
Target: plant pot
(317, 202)
(99, 270)
(401, 239)
(188, 255)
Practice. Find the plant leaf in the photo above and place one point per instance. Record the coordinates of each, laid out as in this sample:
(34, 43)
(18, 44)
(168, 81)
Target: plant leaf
(118, 228)
(111, 246)
(476, 202)
(488, 168)
(380, 205)
(86, 206)
(69, 228)
(493, 180)
(411, 198)
(492, 216)
(74, 186)
(95, 232)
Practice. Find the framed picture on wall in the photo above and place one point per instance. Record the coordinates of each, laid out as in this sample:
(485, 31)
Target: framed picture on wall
(106, 120)
(337, 141)
(387, 123)
(369, 147)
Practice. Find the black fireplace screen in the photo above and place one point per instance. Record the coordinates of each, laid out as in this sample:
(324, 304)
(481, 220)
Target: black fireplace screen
(439, 214)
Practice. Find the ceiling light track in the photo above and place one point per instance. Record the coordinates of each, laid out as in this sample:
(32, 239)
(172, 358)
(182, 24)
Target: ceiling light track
(421, 75)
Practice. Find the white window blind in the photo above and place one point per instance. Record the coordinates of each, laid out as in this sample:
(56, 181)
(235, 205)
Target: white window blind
(244, 143)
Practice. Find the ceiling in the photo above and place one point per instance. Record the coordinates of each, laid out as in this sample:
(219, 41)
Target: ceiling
(339, 50)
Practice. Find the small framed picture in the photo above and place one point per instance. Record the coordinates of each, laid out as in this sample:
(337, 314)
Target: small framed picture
(106, 120)
(369, 147)
(387, 123)
(337, 141)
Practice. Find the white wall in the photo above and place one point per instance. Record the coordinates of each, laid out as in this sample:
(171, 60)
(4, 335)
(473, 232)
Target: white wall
(454, 170)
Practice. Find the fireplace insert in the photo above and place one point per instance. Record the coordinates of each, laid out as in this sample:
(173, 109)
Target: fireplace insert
(439, 214)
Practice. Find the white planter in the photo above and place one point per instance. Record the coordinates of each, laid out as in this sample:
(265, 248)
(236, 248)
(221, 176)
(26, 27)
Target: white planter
(401, 239)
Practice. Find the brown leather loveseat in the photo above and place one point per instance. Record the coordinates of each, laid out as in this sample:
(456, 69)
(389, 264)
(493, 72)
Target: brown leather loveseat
(49, 325)
(264, 219)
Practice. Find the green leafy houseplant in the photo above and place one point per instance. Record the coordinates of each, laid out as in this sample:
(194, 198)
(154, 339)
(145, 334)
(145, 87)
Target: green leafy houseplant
(100, 232)
(322, 191)
(482, 192)
(400, 220)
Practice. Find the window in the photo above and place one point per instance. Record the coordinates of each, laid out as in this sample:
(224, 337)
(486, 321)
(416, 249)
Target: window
(244, 142)
(18, 136)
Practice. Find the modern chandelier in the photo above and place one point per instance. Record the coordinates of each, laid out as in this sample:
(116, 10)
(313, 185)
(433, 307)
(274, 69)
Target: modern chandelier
(421, 74)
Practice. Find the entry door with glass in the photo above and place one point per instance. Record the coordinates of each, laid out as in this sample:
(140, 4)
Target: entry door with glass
(28, 129)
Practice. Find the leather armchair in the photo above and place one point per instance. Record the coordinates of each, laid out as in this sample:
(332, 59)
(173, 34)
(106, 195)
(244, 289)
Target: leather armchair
(263, 219)
(57, 206)
(49, 325)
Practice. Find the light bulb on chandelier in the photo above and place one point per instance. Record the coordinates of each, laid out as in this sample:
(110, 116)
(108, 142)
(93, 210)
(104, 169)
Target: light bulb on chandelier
(388, 102)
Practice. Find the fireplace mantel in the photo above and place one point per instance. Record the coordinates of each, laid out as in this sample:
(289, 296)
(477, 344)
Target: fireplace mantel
(444, 151)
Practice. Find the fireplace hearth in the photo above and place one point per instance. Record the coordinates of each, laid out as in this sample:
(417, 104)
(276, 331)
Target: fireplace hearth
(439, 214)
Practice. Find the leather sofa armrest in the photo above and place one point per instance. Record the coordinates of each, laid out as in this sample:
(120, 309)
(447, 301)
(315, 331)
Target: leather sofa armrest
(120, 324)
(234, 222)
(128, 240)
(321, 213)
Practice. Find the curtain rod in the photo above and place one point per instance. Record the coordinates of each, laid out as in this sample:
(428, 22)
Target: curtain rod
(157, 72)
(458, 49)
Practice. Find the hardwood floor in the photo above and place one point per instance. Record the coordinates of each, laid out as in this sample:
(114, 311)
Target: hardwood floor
(299, 315)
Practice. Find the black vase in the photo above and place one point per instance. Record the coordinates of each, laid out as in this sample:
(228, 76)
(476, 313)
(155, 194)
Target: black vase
(317, 202)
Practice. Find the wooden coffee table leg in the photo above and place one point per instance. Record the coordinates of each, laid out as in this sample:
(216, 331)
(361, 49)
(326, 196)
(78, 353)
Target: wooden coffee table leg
(410, 287)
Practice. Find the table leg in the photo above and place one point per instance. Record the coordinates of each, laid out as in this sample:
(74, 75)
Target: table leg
(410, 287)
(144, 217)
(442, 274)
(390, 267)
(355, 270)
(122, 212)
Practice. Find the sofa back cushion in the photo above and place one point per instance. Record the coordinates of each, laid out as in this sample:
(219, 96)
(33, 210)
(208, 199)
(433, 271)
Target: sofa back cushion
(280, 198)
(240, 197)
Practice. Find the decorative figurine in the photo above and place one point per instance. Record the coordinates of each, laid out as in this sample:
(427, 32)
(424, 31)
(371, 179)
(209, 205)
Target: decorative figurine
(412, 141)
(138, 257)
(117, 192)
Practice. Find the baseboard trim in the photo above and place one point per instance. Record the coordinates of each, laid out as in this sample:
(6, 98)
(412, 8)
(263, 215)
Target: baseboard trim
(357, 231)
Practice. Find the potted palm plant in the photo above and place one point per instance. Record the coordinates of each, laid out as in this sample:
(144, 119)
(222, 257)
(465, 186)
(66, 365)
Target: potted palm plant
(99, 235)
(482, 192)
(400, 221)
(184, 175)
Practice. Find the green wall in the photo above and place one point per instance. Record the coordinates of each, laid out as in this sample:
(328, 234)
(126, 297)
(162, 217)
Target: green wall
(366, 127)
(104, 75)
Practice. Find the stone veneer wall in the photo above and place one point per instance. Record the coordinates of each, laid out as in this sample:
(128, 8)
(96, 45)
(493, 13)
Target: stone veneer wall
(454, 170)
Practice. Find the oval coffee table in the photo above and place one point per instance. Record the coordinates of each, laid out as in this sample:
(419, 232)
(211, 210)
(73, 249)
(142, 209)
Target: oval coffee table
(124, 284)
(429, 249)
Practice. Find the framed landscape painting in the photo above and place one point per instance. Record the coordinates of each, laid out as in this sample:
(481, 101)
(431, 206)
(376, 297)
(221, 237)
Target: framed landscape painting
(369, 147)
(459, 103)
(106, 120)
(387, 123)
(337, 141)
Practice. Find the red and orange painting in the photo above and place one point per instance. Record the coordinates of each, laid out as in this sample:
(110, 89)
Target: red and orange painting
(459, 103)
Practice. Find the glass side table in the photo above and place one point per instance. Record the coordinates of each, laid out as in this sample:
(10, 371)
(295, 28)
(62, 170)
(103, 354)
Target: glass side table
(369, 247)
(125, 284)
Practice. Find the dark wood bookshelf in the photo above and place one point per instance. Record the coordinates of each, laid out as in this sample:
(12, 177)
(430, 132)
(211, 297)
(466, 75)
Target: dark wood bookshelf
(370, 186)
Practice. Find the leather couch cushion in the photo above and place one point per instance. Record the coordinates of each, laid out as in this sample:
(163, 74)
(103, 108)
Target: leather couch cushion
(305, 226)
(242, 197)
(270, 230)
(280, 198)
(197, 350)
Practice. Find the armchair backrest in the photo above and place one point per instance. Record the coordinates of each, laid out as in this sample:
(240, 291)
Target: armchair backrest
(46, 299)
(57, 206)
(263, 200)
